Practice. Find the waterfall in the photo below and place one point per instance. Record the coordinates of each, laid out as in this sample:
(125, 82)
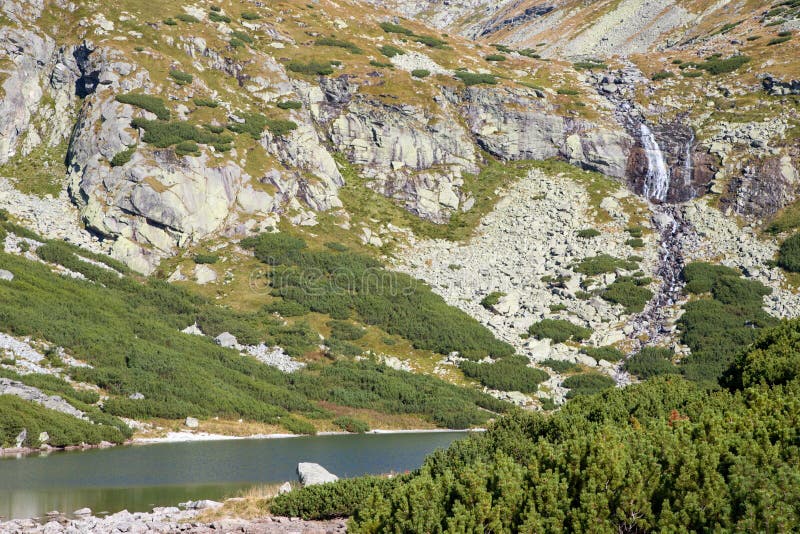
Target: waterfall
(656, 183)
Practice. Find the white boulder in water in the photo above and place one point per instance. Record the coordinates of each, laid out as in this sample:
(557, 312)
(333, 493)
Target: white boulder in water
(312, 474)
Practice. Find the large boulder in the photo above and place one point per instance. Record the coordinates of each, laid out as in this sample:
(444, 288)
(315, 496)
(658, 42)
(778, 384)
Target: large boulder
(311, 474)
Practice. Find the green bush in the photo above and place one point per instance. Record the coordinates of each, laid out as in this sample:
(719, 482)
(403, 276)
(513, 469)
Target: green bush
(420, 73)
(602, 264)
(700, 276)
(635, 231)
(588, 233)
(508, 374)
(290, 104)
(153, 104)
(242, 37)
(388, 27)
(590, 65)
(187, 148)
(338, 43)
(351, 424)
(662, 75)
(205, 259)
(165, 134)
(559, 366)
(491, 299)
(214, 16)
(391, 51)
(185, 17)
(559, 330)
(280, 127)
(332, 500)
(236, 43)
(170, 22)
(380, 64)
(121, 158)
(717, 328)
(322, 68)
(429, 41)
(253, 125)
(286, 308)
(587, 384)
(495, 57)
(607, 353)
(206, 102)
(249, 15)
(628, 294)
(568, 92)
(635, 242)
(180, 77)
(472, 78)
(789, 254)
(345, 331)
(779, 40)
(650, 362)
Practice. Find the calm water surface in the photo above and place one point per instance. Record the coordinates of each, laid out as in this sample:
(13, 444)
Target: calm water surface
(139, 477)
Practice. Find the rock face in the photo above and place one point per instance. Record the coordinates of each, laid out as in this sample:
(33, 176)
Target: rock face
(312, 474)
(30, 393)
(517, 124)
(763, 187)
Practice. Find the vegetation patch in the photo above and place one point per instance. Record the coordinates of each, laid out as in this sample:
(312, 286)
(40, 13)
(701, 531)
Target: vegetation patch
(290, 104)
(391, 51)
(321, 68)
(587, 384)
(650, 362)
(559, 330)
(628, 293)
(342, 284)
(472, 78)
(588, 233)
(508, 374)
(153, 104)
(180, 77)
(789, 254)
(420, 73)
(338, 43)
(491, 299)
(121, 158)
(602, 264)
(717, 328)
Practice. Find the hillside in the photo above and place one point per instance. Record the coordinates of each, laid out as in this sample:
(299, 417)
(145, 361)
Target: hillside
(387, 216)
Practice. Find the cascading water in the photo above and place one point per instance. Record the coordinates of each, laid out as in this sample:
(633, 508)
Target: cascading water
(656, 183)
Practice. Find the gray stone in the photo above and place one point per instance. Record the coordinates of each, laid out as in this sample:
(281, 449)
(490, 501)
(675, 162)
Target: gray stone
(286, 487)
(21, 437)
(192, 422)
(312, 474)
(6, 275)
(227, 340)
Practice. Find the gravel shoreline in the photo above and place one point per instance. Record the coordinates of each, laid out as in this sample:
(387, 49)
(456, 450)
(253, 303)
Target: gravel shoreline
(167, 520)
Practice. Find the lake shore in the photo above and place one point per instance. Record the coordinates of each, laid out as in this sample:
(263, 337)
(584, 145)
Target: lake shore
(168, 519)
(186, 436)
(189, 436)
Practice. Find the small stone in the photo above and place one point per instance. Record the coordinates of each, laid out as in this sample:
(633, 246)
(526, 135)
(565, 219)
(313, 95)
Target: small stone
(192, 422)
(6, 275)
